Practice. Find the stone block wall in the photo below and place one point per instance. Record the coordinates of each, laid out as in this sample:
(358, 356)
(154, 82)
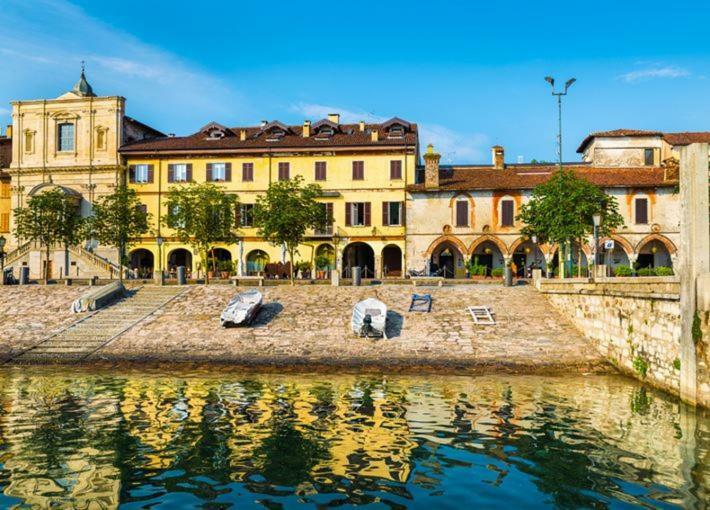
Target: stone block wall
(634, 322)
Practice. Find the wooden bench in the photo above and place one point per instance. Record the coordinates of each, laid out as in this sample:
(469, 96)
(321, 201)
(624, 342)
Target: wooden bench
(237, 279)
(439, 280)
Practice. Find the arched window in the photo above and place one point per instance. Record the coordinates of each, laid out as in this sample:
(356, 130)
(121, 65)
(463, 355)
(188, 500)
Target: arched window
(101, 138)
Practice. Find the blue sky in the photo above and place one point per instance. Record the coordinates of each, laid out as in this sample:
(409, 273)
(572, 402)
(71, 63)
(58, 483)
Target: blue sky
(469, 73)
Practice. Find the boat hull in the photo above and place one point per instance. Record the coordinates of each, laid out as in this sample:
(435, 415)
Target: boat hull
(242, 309)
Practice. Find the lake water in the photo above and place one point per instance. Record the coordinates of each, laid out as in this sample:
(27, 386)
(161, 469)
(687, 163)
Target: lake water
(219, 438)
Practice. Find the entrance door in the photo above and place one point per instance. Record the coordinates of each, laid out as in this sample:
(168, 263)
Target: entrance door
(486, 260)
(446, 261)
(519, 259)
(644, 260)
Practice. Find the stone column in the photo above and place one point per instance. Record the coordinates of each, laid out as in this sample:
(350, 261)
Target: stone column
(335, 274)
(378, 266)
(240, 260)
(694, 256)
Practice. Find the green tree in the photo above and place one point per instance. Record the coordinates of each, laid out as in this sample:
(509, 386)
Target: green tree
(561, 210)
(287, 210)
(202, 215)
(50, 218)
(118, 220)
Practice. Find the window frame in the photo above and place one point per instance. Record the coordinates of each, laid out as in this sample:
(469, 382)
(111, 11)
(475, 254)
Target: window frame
(358, 170)
(286, 166)
(248, 171)
(504, 201)
(142, 167)
(246, 211)
(646, 152)
(60, 137)
(399, 206)
(396, 164)
(182, 166)
(647, 211)
(467, 223)
(223, 167)
(320, 165)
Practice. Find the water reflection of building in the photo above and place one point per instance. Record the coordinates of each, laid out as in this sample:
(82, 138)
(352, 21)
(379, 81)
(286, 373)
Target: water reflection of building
(80, 440)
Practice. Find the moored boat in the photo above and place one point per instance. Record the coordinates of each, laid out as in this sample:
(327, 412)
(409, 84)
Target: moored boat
(369, 318)
(242, 309)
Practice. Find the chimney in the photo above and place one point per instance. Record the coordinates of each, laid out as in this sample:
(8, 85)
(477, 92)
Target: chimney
(8, 132)
(306, 128)
(431, 168)
(242, 135)
(374, 135)
(362, 125)
(498, 154)
(334, 117)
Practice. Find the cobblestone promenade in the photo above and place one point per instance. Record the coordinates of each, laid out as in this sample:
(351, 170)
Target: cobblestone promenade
(312, 325)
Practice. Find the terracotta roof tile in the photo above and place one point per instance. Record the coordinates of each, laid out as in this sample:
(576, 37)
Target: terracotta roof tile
(616, 133)
(348, 135)
(462, 178)
(687, 137)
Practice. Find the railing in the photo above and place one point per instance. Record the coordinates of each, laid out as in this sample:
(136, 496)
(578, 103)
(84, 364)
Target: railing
(95, 259)
(323, 232)
(17, 253)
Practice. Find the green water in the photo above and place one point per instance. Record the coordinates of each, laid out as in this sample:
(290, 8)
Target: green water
(221, 439)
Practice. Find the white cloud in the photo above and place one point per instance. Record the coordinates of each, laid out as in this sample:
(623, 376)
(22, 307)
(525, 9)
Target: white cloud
(117, 63)
(454, 146)
(654, 72)
(4, 111)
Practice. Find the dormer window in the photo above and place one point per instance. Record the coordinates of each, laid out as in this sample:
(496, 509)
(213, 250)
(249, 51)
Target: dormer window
(325, 133)
(396, 131)
(275, 135)
(215, 134)
(214, 131)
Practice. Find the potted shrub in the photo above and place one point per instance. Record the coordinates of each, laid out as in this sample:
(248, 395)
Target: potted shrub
(225, 268)
(304, 268)
(645, 271)
(623, 271)
(497, 272)
(664, 271)
(323, 264)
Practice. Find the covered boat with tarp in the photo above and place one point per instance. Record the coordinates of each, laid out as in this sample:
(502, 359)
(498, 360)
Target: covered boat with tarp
(242, 309)
(369, 318)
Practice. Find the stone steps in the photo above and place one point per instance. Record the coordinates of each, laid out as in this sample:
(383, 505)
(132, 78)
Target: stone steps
(91, 333)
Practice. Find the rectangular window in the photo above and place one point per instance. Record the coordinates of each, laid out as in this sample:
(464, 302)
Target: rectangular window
(5, 222)
(217, 172)
(247, 172)
(179, 172)
(284, 171)
(358, 170)
(320, 171)
(65, 138)
(140, 174)
(174, 222)
(462, 213)
(328, 211)
(392, 213)
(641, 211)
(507, 212)
(246, 215)
(648, 157)
(395, 170)
(357, 214)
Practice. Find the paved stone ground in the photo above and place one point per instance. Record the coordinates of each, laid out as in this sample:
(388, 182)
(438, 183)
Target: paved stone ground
(30, 313)
(311, 325)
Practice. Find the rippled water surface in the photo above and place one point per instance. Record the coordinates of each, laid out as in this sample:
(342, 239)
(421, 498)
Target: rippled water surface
(220, 439)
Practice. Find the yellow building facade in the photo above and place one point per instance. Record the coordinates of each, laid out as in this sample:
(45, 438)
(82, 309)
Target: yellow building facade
(363, 169)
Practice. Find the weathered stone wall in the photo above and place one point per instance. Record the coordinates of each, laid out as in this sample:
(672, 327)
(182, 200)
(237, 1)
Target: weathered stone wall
(634, 322)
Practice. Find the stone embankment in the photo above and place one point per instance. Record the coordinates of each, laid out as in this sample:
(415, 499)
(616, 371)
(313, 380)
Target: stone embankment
(28, 314)
(634, 323)
(310, 325)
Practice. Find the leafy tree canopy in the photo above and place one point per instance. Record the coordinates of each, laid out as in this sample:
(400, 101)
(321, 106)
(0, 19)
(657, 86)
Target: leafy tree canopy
(118, 220)
(561, 209)
(287, 211)
(202, 215)
(51, 217)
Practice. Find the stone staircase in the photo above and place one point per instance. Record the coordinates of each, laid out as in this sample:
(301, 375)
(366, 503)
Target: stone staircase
(96, 330)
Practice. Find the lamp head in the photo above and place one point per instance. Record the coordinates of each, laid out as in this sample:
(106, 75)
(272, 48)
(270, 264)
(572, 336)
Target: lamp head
(597, 219)
(550, 80)
(159, 240)
(569, 83)
(534, 239)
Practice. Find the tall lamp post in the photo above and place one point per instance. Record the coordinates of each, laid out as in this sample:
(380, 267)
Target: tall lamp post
(568, 84)
(597, 219)
(2, 259)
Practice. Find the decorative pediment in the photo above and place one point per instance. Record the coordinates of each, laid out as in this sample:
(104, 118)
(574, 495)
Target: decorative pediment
(64, 115)
(275, 130)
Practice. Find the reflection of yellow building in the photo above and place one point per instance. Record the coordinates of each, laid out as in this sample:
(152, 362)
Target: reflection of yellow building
(362, 168)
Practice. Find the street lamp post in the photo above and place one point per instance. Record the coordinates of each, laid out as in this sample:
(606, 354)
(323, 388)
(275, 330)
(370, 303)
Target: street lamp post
(160, 242)
(597, 219)
(568, 84)
(2, 259)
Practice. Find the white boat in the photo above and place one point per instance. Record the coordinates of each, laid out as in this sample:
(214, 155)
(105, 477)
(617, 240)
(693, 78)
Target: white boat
(369, 318)
(242, 309)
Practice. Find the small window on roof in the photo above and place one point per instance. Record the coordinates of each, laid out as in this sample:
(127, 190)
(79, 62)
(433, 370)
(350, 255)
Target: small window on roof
(275, 135)
(325, 132)
(648, 157)
(215, 134)
(396, 131)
